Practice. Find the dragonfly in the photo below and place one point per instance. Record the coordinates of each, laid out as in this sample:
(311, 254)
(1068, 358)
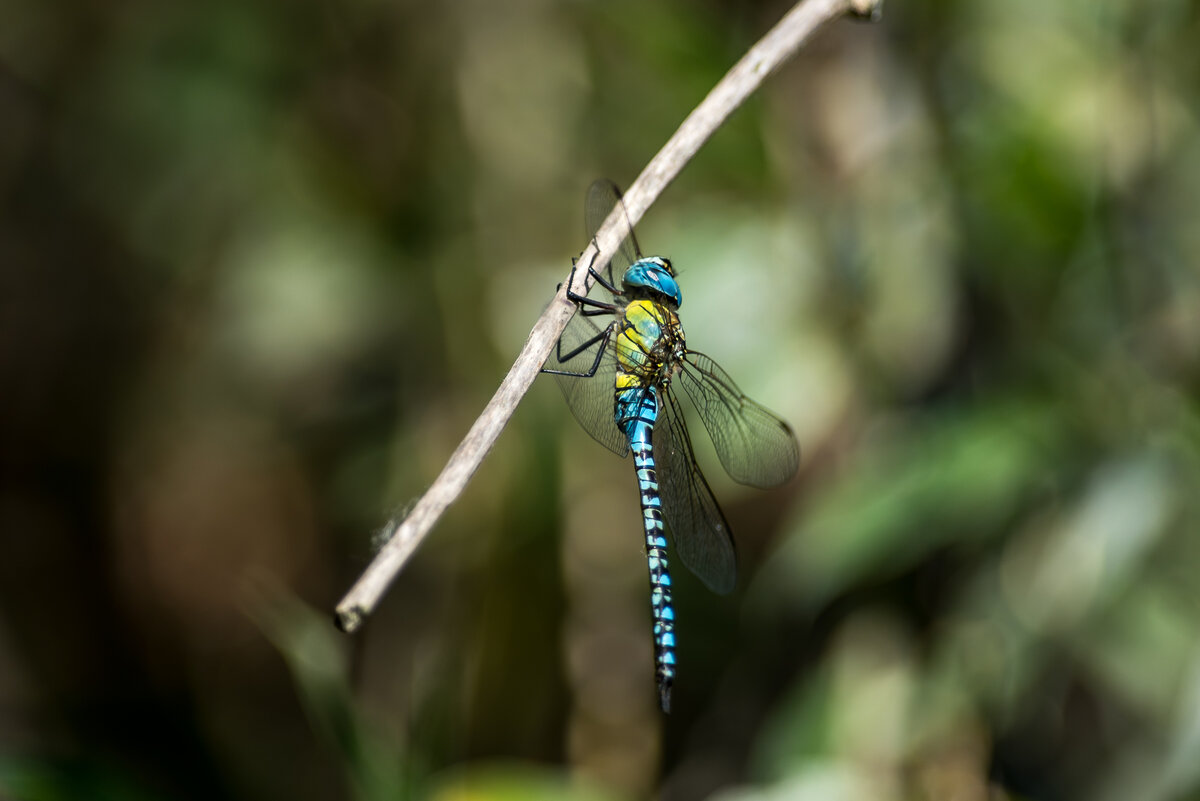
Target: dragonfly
(624, 379)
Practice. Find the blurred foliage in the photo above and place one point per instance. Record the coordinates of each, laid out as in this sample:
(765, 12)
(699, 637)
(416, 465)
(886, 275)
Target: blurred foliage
(262, 264)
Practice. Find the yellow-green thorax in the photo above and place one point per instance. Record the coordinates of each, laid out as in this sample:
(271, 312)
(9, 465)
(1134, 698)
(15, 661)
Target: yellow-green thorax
(649, 344)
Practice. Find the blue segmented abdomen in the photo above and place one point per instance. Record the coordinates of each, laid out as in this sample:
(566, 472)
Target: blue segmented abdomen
(636, 413)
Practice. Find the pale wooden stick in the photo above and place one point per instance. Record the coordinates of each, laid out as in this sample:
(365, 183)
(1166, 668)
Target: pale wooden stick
(780, 43)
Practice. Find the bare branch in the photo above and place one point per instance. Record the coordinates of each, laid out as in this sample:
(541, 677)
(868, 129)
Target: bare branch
(780, 43)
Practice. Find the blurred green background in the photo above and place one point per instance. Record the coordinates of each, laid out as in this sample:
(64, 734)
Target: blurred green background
(261, 264)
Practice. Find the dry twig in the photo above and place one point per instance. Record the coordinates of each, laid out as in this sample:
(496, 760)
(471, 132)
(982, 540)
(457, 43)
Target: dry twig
(780, 44)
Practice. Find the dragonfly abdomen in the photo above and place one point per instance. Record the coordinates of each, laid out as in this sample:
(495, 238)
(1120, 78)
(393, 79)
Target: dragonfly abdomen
(637, 412)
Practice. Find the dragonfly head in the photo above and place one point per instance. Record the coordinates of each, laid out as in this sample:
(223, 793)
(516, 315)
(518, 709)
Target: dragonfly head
(655, 276)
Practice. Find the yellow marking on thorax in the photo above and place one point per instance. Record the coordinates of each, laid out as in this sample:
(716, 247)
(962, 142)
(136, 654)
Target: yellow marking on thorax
(648, 335)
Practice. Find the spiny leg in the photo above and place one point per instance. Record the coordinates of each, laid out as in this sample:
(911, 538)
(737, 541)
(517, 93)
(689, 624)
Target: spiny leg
(584, 300)
(601, 337)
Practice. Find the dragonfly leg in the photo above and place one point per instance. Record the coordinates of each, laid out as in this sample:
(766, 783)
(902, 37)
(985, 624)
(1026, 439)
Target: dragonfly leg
(601, 337)
(599, 307)
(600, 279)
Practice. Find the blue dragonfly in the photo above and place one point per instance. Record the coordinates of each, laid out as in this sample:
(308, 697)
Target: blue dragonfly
(620, 380)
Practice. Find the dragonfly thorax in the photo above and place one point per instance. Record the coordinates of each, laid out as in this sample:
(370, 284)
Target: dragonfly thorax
(649, 343)
(653, 277)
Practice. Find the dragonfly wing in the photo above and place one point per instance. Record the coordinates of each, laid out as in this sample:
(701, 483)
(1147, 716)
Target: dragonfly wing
(698, 527)
(754, 445)
(589, 398)
(602, 197)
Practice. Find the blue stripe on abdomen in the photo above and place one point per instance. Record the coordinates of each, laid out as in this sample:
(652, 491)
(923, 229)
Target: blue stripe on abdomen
(636, 412)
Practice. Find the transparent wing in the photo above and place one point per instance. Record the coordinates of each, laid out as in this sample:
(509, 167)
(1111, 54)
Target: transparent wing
(589, 398)
(701, 533)
(602, 197)
(755, 446)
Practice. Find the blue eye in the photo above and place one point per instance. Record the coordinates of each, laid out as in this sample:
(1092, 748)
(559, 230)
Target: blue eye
(654, 273)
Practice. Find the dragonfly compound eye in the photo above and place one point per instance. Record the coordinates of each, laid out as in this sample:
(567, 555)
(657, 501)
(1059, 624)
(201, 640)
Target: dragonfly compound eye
(654, 273)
